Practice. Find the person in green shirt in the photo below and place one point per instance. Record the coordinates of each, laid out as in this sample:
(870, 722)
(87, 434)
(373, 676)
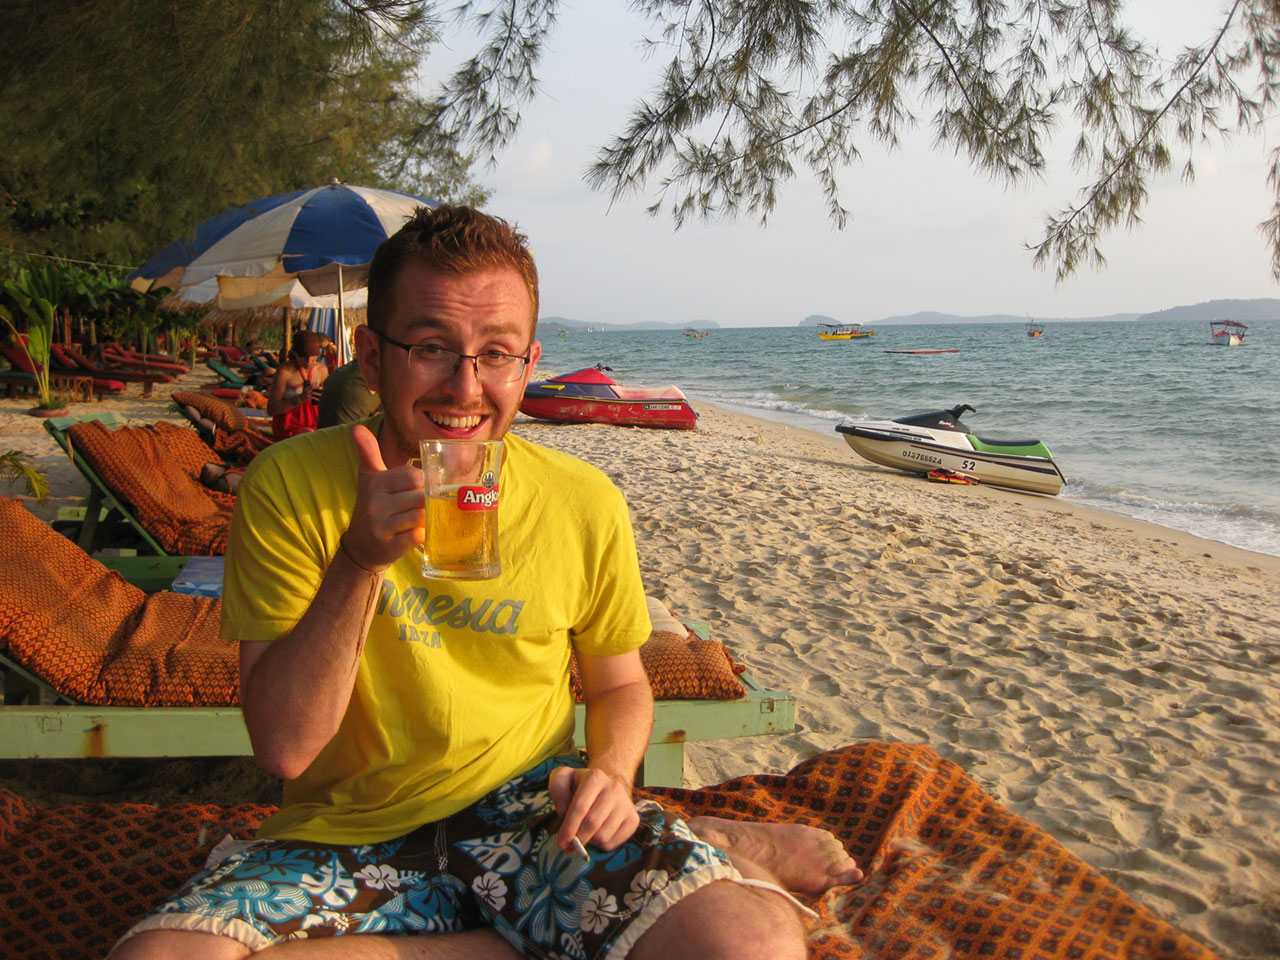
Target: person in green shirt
(347, 397)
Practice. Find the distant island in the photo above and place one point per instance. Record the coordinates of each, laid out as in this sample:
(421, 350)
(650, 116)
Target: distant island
(575, 326)
(929, 316)
(1261, 309)
(1257, 309)
(1243, 310)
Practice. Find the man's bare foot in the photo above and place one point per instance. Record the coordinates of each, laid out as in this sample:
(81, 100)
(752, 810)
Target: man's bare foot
(804, 859)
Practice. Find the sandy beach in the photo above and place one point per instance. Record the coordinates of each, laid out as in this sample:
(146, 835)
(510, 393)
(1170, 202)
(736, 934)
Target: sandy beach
(1105, 679)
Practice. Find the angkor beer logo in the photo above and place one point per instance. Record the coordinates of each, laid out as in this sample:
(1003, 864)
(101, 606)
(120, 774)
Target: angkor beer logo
(477, 498)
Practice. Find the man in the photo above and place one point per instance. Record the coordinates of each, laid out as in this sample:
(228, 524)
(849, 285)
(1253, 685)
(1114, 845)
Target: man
(290, 400)
(347, 397)
(424, 728)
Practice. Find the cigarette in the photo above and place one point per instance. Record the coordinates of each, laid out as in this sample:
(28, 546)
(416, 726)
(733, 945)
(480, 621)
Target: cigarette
(579, 849)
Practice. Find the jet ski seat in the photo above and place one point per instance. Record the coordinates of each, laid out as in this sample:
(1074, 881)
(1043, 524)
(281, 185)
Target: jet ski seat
(1022, 448)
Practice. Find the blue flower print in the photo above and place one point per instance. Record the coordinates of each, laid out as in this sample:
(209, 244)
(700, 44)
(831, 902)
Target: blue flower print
(509, 805)
(569, 948)
(378, 852)
(432, 908)
(526, 796)
(331, 885)
(550, 892)
(247, 898)
(502, 853)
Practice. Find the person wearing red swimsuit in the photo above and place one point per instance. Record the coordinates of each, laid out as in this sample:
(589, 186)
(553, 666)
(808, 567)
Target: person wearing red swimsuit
(291, 401)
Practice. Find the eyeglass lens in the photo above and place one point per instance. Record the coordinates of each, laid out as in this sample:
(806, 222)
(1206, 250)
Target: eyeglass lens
(492, 368)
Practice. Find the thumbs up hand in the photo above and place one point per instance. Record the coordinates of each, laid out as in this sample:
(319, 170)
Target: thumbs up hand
(390, 512)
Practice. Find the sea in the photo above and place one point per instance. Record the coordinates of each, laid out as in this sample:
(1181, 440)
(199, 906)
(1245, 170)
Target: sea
(1148, 419)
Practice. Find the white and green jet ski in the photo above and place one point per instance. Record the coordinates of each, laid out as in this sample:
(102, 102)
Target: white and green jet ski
(939, 441)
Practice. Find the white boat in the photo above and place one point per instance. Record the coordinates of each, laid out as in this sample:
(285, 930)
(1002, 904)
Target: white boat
(938, 441)
(1229, 333)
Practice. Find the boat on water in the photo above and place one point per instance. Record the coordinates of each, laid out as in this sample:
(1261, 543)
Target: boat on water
(930, 442)
(1034, 329)
(843, 331)
(696, 334)
(591, 396)
(1229, 333)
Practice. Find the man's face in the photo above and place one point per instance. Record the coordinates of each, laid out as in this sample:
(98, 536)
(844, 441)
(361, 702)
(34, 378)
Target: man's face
(472, 314)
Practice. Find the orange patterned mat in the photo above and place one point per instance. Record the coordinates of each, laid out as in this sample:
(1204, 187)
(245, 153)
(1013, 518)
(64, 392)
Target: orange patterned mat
(951, 873)
(156, 471)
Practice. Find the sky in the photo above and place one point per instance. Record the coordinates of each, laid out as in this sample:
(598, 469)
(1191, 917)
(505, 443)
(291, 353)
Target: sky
(926, 231)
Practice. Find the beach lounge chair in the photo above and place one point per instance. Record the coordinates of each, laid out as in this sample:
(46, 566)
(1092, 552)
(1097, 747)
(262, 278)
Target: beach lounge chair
(71, 361)
(223, 426)
(17, 381)
(148, 361)
(84, 650)
(229, 377)
(149, 479)
(22, 363)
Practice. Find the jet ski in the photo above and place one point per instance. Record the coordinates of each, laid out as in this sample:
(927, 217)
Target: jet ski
(925, 442)
(591, 396)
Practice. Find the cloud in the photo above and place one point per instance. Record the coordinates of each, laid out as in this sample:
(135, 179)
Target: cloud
(536, 170)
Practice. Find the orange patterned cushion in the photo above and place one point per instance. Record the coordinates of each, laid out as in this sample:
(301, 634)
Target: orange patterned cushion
(223, 414)
(234, 441)
(681, 668)
(99, 640)
(156, 471)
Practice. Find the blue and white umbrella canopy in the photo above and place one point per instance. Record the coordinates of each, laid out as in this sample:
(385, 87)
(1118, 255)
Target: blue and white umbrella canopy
(324, 237)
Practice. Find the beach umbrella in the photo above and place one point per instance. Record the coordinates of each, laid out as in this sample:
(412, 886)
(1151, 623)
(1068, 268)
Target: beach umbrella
(323, 238)
(291, 294)
(318, 313)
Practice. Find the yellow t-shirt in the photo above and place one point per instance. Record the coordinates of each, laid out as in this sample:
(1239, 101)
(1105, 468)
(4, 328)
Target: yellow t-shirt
(461, 685)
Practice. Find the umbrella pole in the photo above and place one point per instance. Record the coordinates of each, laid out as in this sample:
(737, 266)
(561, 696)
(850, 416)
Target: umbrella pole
(342, 324)
(288, 333)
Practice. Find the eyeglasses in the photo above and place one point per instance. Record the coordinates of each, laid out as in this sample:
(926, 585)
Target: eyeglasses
(435, 361)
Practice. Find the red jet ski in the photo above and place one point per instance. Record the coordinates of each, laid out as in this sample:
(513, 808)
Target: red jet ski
(590, 396)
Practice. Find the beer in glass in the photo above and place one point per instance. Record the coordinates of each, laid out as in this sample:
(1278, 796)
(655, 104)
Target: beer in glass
(461, 481)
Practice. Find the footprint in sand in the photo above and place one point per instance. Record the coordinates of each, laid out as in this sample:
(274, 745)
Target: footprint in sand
(823, 685)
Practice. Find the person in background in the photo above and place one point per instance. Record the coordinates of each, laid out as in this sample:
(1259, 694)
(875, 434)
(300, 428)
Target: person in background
(291, 402)
(347, 397)
(328, 353)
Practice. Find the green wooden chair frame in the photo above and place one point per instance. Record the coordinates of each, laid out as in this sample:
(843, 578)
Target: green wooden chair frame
(229, 377)
(37, 722)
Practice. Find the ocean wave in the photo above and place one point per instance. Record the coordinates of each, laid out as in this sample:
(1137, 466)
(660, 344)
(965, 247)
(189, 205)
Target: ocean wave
(1245, 525)
(776, 404)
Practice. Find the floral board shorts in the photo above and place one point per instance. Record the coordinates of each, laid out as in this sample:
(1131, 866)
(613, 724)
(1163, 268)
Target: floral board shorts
(495, 864)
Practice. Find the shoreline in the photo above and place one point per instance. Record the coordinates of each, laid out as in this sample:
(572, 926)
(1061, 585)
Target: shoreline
(1103, 677)
(1101, 513)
